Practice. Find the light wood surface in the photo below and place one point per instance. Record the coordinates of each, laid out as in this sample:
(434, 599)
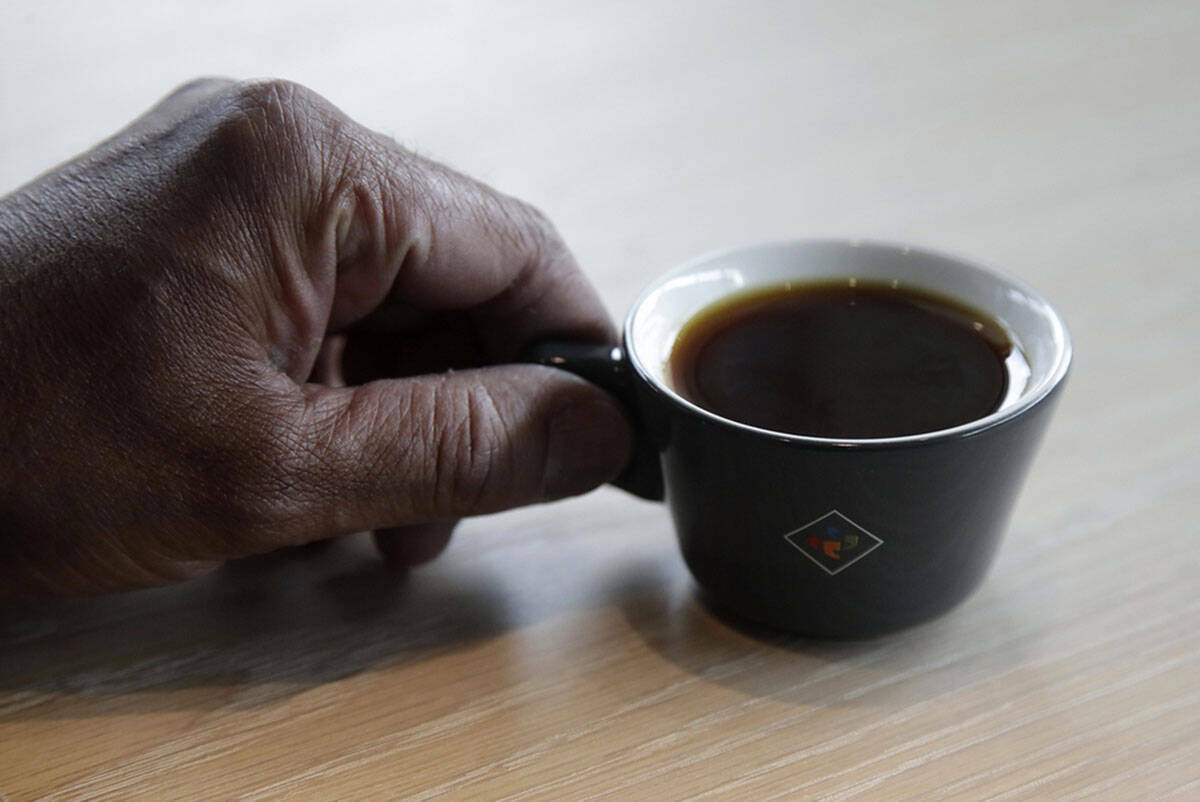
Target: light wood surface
(561, 652)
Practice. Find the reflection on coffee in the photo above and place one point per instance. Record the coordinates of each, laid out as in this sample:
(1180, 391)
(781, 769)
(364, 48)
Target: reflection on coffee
(842, 360)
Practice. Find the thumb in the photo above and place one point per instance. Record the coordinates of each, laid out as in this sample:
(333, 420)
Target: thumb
(402, 451)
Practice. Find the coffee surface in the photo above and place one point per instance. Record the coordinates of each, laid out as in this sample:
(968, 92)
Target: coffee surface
(842, 360)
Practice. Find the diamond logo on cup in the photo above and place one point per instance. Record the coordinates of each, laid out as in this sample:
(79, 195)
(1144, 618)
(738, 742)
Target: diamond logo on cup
(833, 542)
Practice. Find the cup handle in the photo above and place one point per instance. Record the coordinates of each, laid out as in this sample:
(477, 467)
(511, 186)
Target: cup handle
(607, 367)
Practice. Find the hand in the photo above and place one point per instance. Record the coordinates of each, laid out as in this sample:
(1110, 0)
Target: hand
(231, 328)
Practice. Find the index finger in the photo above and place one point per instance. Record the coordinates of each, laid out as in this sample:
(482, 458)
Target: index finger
(422, 235)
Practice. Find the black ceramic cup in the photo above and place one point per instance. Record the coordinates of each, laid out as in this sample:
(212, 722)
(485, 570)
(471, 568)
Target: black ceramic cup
(839, 538)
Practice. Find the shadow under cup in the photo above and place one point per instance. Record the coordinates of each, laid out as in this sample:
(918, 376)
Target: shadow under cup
(840, 538)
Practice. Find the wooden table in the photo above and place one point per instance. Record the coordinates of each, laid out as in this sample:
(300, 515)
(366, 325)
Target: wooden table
(561, 652)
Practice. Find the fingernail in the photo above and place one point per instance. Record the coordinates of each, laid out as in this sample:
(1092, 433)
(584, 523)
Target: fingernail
(589, 444)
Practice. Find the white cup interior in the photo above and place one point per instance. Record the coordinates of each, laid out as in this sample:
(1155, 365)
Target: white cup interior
(675, 297)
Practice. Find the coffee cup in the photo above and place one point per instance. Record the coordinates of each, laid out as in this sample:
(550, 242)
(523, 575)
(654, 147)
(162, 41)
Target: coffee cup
(828, 537)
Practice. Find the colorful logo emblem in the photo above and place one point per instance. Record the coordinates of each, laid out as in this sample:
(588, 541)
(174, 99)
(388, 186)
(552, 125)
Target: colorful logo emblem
(833, 542)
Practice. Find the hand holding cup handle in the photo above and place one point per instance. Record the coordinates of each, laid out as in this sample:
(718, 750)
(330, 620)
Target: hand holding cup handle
(607, 367)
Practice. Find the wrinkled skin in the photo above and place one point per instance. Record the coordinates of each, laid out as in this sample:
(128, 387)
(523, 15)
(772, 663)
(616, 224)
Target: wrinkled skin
(230, 328)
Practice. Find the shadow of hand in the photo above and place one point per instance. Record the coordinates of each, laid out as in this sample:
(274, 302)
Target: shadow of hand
(260, 629)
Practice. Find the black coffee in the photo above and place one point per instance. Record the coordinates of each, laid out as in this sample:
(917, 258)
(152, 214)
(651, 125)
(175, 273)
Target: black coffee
(842, 360)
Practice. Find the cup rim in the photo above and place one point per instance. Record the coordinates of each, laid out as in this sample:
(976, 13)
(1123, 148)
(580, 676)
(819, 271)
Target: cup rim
(1031, 398)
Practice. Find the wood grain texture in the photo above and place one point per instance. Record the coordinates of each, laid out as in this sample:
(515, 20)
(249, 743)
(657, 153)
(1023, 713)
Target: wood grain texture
(561, 652)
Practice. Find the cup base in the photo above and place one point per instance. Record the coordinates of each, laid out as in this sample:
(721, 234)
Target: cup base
(751, 619)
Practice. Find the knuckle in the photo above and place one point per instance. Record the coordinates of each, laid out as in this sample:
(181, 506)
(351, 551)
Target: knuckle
(533, 231)
(523, 230)
(276, 101)
(472, 451)
(537, 221)
(548, 254)
(271, 128)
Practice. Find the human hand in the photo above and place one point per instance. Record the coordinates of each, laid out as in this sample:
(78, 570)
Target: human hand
(229, 328)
